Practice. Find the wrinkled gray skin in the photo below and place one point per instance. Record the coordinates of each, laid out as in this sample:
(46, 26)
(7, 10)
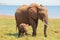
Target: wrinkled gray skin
(30, 15)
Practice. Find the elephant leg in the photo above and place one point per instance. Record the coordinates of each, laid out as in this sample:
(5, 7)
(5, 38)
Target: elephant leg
(36, 22)
(18, 30)
(19, 33)
(34, 30)
(22, 33)
(34, 26)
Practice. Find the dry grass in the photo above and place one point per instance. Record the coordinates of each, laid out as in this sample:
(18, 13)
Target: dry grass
(8, 30)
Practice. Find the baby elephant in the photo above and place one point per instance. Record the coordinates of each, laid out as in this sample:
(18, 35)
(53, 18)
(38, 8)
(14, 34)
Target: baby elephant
(23, 29)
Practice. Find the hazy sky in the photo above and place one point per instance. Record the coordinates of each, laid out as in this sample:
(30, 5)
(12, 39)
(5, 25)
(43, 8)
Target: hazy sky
(53, 9)
(20, 2)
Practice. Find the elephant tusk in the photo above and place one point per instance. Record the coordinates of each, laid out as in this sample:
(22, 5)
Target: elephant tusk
(45, 24)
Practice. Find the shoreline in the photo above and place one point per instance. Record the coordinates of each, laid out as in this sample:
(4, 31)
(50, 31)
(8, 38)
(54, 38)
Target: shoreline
(10, 16)
(7, 16)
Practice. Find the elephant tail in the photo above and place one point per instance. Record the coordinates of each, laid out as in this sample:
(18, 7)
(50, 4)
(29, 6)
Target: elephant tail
(16, 28)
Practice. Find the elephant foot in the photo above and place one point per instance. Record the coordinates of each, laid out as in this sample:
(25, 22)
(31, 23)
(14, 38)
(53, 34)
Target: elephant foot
(20, 35)
(45, 35)
(34, 34)
(27, 34)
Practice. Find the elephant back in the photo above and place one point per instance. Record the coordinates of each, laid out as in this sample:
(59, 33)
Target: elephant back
(33, 5)
(21, 15)
(22, 8)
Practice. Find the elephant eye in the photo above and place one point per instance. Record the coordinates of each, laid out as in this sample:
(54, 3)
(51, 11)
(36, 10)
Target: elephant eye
(40, 9)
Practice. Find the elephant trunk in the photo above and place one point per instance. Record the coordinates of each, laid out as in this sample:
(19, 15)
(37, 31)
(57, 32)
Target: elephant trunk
(45, 25)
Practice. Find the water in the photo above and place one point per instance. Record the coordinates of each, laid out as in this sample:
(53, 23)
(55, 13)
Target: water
(8, 10)
(53, 11)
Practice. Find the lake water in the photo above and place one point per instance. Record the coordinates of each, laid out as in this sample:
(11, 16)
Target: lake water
(53, 11)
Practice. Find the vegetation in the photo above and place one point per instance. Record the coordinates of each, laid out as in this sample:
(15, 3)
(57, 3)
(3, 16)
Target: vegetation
(8, 30)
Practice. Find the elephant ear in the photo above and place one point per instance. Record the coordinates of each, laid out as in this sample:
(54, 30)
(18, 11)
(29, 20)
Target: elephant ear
(32, 11)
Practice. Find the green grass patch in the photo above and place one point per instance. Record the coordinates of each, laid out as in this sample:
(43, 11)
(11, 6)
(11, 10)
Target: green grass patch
(8, 30)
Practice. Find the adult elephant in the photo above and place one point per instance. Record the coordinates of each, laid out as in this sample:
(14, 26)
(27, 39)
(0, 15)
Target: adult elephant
(30, 15)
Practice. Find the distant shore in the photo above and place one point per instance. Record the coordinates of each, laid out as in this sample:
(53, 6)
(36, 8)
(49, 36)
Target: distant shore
(6, 16)
(9, 17)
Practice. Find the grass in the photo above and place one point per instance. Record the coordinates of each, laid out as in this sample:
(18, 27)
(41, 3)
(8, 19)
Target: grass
(8, 30)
